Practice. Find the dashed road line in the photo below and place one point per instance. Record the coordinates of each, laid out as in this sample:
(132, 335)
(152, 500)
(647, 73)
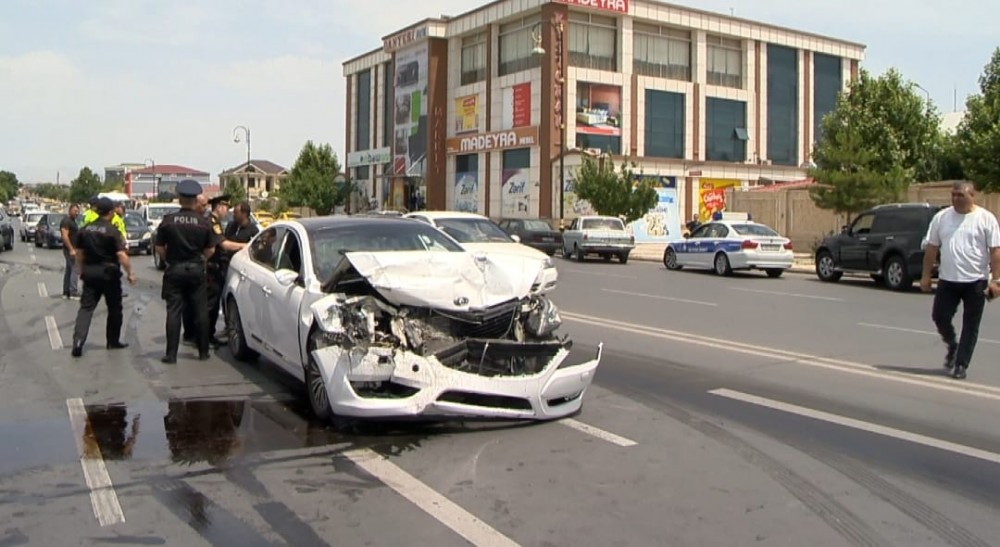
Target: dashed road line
(597, 432)
(915, 331)
(55, 341)
(107, 509)
(792, 294)
(445, 511)
(862, 425)
(660, 297)
(43, 291)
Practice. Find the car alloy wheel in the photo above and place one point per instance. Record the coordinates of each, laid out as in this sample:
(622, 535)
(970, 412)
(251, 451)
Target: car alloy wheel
(670, 259)
(896, 276)
(722, 264)
(319, 399)
(237, 337)
(826, 268)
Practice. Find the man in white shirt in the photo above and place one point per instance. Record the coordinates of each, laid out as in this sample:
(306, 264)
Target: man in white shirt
(968, 240)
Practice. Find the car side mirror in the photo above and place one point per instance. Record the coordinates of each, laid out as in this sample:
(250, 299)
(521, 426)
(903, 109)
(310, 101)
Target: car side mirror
(687, 235)
(516, 238)
(286, 278)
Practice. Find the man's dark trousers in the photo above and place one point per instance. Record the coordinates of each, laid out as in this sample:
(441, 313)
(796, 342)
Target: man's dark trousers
(184, 288)
(100, 280)
(947, 296)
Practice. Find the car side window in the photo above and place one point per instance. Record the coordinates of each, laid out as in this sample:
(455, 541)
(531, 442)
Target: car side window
(291, 254)
(863, 225)
(719, 230)
(701, 231)
(264, 249)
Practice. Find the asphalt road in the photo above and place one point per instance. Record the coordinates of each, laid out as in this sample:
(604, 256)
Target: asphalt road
(726, 411)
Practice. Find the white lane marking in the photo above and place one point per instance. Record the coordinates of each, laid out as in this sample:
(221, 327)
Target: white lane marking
(792, 294)
(107, 509)
(447, 512)
(597, 432)
(658, 297)
(33, 258)
(43, 291)
(966, 388)
(870, 427)
(915, 331)
(585, 272)
(55, 341)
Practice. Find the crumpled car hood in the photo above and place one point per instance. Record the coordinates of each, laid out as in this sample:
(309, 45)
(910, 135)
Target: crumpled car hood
(447, 280)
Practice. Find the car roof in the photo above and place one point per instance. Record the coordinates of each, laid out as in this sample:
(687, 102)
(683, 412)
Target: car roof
(446, 214)
(317, 224)
(905, 206)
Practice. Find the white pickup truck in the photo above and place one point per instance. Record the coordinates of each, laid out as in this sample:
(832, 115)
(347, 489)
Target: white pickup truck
(604, 236)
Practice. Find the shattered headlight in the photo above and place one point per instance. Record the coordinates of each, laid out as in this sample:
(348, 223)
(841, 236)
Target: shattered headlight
(543, 319)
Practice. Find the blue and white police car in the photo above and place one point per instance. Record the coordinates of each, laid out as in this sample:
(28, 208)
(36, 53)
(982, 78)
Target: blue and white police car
(727, 245)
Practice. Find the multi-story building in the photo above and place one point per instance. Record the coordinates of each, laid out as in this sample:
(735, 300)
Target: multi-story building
(490, 110)
(259, 177)
(150, 181)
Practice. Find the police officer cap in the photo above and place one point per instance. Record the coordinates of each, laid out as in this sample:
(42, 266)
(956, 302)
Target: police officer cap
(93, 201)
(188, 188)
(104, 206)
(218, 199)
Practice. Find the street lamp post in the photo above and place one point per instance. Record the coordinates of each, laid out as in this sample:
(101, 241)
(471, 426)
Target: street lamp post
(928, 93)
(236, 139)
(156, 181)
(560, 103)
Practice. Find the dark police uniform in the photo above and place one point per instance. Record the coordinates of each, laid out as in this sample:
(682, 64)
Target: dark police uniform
(100, 243)
(186, 235)
(216, 277)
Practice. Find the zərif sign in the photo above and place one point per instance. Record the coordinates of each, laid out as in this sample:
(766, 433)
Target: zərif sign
(518, 137)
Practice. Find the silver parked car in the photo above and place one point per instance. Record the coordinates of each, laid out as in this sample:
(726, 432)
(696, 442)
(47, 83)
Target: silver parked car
(600, 235)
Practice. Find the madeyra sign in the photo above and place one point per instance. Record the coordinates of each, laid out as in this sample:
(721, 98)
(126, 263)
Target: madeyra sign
(617, 6)
(518, 137)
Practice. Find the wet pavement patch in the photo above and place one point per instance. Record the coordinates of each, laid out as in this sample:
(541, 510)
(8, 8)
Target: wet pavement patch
(36, 443)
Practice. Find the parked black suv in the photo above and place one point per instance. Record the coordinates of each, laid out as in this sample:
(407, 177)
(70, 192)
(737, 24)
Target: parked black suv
(884, 242)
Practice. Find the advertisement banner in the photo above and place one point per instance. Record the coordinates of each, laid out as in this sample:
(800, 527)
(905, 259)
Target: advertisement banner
(410, 139)
(598, 109)
(662, 222)
(573, 206)
(467, 192)
(467, 114)
(514, 196)
(712, 197)
(516, 106)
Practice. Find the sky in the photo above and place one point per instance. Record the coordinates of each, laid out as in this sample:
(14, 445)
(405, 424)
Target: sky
(100, 82)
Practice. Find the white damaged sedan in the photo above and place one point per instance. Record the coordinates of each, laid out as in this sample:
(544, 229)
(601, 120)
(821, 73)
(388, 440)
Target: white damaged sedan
(387, 317)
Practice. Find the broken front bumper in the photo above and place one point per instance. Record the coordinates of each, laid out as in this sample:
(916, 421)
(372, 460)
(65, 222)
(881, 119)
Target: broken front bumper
(432, 389)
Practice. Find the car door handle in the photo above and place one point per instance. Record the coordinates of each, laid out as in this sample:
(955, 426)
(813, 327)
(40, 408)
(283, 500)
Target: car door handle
(862, 239)
(890, 238)
(266, 291)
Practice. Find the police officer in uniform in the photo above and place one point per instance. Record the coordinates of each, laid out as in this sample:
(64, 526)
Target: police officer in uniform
(218, 264)
(185, 241)
(100, 255)
(190, 329)
(238, 234)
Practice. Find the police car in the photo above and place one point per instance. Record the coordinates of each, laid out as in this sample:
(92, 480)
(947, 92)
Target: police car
(731, 244)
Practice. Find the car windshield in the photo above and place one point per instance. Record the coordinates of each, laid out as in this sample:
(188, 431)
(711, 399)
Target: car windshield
(537, 225)
(603, 224)
(473, 230)
(754, 230)
(157, 213)
(134, 222)
(32, 218)
(330, 244)
(56, 220)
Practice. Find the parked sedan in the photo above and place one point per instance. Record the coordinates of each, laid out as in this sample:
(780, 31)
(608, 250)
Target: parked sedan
(47, 233)
(386, 317)
(604, 236)
(480, 234)
(725, 246)
(140, 235)
(29, 222)
(533, 233)
(6, 232)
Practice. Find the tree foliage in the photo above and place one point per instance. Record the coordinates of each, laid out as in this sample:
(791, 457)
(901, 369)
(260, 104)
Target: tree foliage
(881, 136)
(9, 186)
(978, 135)
(614, 192)
(86, 185)
(234, 188)
(48, 190)
(114, 183)
(311, 181)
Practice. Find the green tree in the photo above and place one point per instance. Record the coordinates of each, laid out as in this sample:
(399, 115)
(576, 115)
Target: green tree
(85, 186)
(8, 186)
(115, 183)
(233, 188)
(49, 190)
(979, 133)
(311, 181)
(881, 136)
(614, 192)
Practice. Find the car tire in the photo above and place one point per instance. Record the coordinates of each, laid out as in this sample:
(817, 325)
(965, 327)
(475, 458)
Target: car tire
(623, 258)
(579, 253)
(606, 257)
(670, 260)
(826, 267)
(897, 275)
(237, 336)
(10, 242)
(774, 273)
(319, 399)
(722, 265)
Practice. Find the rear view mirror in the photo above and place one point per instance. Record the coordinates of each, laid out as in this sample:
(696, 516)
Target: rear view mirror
(286, 277)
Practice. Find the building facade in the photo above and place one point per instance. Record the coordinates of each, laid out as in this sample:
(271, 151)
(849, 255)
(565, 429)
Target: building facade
(493, 110)
(148, 182)
(259, 178)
